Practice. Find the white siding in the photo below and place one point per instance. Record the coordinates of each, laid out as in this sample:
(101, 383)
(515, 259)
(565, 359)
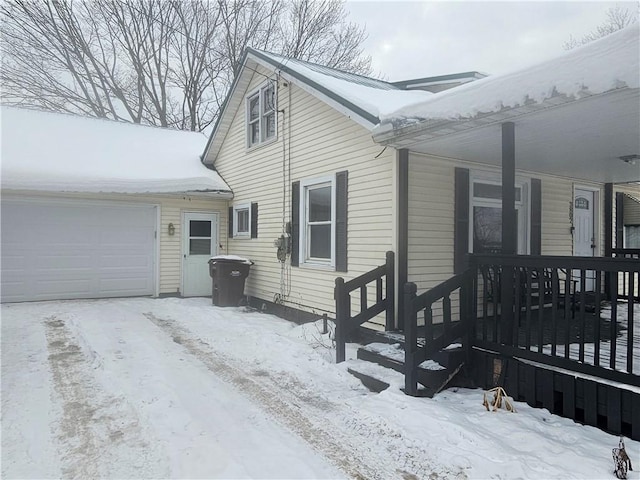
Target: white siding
(314, 140)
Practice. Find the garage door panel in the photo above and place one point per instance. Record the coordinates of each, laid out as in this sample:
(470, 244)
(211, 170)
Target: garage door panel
(59, 251)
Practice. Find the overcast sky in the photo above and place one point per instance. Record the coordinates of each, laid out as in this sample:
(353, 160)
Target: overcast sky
(421, 39)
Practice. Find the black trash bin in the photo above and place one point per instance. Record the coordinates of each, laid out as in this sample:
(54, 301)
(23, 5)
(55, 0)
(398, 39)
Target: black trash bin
(228, 274)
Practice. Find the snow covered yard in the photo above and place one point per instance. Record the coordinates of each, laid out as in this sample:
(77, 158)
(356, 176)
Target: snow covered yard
(175, 388)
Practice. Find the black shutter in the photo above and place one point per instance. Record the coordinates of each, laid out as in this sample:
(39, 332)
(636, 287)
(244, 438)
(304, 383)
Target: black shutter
(254, 220)
(536, 216)
(342, 181)
(230, 222)
(619, 239)
(295, 223)
(461, 225)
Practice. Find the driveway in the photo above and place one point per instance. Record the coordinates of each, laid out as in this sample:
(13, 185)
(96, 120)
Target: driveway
(118, 389)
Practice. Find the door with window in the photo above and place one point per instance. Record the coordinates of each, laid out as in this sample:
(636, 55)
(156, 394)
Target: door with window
(584, 238)
(199, 244)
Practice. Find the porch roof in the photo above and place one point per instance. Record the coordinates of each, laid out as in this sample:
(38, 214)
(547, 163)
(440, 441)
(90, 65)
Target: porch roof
(575, 115)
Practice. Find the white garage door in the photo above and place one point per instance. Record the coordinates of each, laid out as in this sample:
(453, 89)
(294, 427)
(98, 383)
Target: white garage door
(53, 251)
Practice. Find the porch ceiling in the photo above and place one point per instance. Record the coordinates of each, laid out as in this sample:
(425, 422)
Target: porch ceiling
(576, 138)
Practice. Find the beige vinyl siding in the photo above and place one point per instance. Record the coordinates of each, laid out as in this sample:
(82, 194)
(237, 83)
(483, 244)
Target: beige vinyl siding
(171, 208)
(431, 215)
(313, 140)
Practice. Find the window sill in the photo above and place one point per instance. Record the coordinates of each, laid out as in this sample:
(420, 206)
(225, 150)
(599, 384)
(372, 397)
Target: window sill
(261, 144)
(318, 266)
(240, 236)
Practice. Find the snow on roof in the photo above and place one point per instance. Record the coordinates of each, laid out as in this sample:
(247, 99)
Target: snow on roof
(598, 67)
(56, 152)
(376, 97)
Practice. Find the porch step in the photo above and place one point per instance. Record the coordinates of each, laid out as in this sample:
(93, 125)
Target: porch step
(433, 375)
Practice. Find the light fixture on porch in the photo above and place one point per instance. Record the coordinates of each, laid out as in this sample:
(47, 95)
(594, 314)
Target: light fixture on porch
(630, 159)
(171, 230)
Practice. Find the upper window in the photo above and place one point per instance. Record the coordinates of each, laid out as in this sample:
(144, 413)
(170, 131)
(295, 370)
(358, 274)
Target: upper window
(317, 212)
(261, 115)
(486, 210)
(241, 220)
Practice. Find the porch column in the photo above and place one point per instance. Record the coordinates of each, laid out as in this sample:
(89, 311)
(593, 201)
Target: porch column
(509, 220)
(509, 229)
(608, 231)
(402, 260)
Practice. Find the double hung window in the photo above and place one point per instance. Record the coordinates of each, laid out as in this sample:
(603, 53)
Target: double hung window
(318, 221)
(486, 203)
(241, 220)
(261, 115)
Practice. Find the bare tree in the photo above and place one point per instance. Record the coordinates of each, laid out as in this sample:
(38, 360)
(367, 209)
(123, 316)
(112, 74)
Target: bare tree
(316, 31)
(159, 62)
(617, 18)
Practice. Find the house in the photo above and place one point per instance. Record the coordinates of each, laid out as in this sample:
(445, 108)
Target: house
(505, 199)
(96, 208)
(336, 169)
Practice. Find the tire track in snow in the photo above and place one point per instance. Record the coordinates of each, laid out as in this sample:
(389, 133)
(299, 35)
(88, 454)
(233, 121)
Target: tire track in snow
(282, 395)
(290, 415)
(95, 427)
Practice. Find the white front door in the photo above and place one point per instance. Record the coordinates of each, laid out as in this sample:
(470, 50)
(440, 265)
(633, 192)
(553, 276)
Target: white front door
(199, 244)
(584, 240)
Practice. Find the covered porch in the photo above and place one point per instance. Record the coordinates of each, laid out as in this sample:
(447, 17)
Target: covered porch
(560, 330)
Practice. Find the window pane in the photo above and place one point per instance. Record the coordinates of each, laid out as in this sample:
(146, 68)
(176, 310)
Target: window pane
(254, 133)
(269, 126)
(268, 99)
(487, 230)
(489, 190)
(199, 228)
(320, 241)
(200, 246)
(254, 107)
(242, 219)
(320, 204)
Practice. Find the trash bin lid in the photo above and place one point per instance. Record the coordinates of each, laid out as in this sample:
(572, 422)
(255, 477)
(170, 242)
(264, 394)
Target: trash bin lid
(230, 259)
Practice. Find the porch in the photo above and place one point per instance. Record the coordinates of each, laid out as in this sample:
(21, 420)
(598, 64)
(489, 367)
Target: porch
(547, 340)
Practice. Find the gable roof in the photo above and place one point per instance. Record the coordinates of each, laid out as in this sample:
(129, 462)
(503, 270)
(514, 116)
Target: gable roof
(55, 152)
(361, 98)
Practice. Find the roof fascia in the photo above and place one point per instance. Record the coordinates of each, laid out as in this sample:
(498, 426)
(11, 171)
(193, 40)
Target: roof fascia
(387, 135)
(338, 102)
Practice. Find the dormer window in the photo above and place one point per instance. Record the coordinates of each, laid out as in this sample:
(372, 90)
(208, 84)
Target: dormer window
(261, 115)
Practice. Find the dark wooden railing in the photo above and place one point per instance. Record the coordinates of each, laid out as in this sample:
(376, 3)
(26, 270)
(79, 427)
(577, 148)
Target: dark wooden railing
(345, 321)
(423, 339)
(549, 310)
(623, 283)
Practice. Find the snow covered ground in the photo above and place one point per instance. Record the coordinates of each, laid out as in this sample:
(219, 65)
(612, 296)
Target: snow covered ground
(177, 388)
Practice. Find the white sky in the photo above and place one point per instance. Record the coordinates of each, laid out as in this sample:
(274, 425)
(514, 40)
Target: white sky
(420, 39)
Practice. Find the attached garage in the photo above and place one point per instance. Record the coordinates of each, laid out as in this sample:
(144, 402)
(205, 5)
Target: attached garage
(53, 249)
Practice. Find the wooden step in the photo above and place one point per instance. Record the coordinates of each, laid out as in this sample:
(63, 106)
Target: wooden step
(432, 375)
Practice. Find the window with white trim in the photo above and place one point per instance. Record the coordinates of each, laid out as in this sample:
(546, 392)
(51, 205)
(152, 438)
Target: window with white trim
(242, 220)
(317, 221)
(261, 115)
(486, 216)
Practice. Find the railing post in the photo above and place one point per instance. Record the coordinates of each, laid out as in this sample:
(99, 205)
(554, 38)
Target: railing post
(410, 340)
(467, 309)
(390, 292)
(341, 319)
